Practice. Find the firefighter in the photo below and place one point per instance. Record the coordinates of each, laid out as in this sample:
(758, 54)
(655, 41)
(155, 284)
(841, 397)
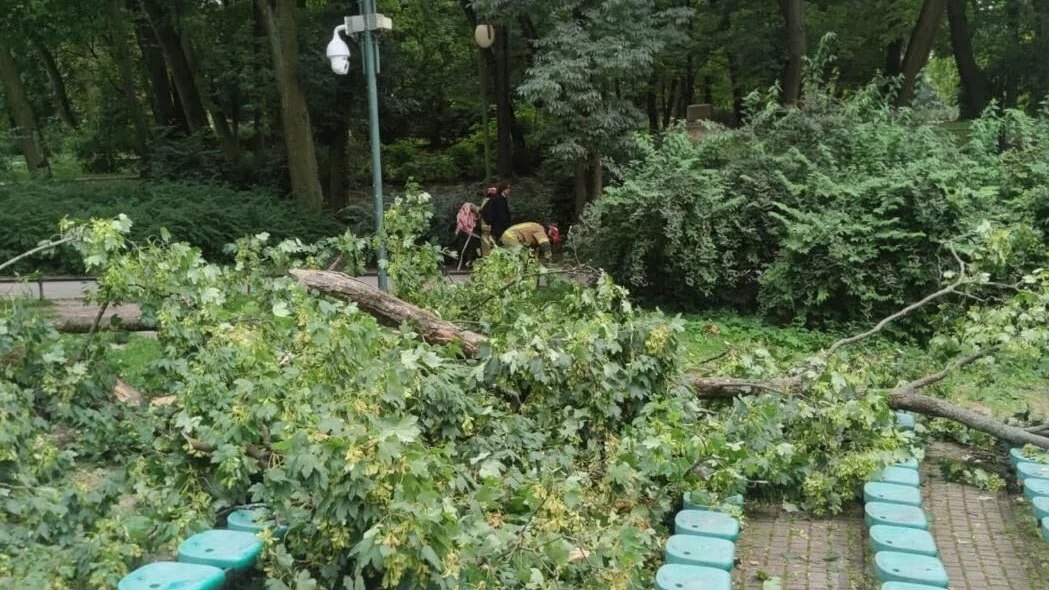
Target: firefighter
(532, 235)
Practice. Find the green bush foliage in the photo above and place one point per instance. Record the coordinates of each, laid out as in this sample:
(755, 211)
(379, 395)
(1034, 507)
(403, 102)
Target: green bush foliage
(207, 216)
(839, 210)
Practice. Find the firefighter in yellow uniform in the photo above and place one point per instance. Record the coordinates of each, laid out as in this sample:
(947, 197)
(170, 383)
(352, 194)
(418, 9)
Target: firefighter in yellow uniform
(531, 235)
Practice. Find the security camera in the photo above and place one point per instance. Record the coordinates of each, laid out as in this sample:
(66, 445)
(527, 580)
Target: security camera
(339, 53)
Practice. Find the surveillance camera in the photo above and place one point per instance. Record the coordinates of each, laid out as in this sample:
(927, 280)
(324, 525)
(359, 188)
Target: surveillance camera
(339, 53)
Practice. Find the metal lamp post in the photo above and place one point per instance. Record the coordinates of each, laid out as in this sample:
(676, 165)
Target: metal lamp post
(484, 35)
(369, 22)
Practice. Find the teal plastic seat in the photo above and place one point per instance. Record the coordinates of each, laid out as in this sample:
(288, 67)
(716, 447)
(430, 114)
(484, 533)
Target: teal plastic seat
(1016, 457)
(1028, 470)
(168, 575)
(229, 550)
(900, 476)
(1035, 487)
(1044, 529)
(254, 520)
(730, 502)
(675, 576)
(875, 513)
(902, 539)
(1040, 504)
(906, 586)
(910, 463)
(905, 420)
(703, 551)
(707, 524)
(892, 493)
(892, 566)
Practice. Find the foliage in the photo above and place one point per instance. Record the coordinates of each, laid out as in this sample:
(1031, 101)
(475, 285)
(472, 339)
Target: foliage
(839, 210)
(207, 216)
(959, 471)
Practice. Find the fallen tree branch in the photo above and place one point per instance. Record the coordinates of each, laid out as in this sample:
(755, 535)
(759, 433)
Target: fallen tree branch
(390, 310)
(38, 249)
(262, 456)
(84, 325)
(728, 387)
(909, 399)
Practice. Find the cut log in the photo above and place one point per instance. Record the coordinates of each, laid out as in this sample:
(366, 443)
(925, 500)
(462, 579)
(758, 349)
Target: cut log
(124, 393)
(390, 310)
(83, 325)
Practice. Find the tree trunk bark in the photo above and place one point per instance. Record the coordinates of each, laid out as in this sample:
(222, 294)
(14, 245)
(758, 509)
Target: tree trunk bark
(159, 84)
(910, 400)
(185, 80)
(920, 46)
(503, 103)
(597, 176)
(295, 117)
(580, 188)
(652, 106)
(671, 100)
(794, 21)
(894, 58)
(974, 91)
(390, 310)
(58, 85)
(21, 110)
(122, 53)
(337, 155)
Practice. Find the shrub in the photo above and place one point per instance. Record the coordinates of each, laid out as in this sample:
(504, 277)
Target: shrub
(838, 210)
(207, 216)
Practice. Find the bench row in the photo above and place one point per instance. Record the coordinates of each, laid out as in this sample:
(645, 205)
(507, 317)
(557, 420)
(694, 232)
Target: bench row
(702, 552)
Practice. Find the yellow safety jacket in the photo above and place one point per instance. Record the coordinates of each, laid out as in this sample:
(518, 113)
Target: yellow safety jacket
(525, 234)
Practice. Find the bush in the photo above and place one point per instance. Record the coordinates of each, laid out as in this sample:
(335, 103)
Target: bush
(839, 210)
(207, 216)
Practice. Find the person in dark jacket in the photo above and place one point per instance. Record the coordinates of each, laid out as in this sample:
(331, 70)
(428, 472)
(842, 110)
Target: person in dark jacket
(495, 212)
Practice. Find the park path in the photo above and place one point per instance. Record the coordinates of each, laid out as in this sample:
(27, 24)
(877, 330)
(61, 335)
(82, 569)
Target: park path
(986, 540)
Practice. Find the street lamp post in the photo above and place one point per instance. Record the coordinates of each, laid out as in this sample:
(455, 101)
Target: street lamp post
(368, 22)
(484, 36)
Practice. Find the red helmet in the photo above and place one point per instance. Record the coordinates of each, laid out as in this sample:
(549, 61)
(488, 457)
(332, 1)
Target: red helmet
(553, 233)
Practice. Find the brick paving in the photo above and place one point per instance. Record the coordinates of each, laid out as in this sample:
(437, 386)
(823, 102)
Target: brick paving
(806, 553)
(979, 533)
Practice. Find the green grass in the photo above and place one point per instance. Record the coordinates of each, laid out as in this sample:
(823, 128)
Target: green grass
(132, 361)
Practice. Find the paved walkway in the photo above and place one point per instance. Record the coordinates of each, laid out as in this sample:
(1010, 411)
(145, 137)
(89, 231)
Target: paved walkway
(985, 539)
(806, 553)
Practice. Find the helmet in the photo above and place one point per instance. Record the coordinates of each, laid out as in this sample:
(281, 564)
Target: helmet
(553, 233)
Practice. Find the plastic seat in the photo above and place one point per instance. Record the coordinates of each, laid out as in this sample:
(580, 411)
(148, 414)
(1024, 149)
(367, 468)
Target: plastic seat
(1016, 457)
(902, 539)
(168, 575)
(876, 513)
(254, 520)
(892, 566)
(910, 463)
(676, 576)
(706, 523)
(730, 502)
(229, 550)
(1040, 504)
(704, 551)
(1035, 487)
(906, 586)
(1044, 529)
(892, 493)
(900, 476)
(1032, 470)
(905, 420)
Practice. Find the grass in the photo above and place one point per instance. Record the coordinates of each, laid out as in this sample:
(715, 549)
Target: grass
(133, 359)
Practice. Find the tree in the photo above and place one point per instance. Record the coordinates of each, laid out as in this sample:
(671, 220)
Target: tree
(21, 111)
(279, 18)
(58, 85)
(919, 47)
(122, 54)
(973, 91)
(794, 21)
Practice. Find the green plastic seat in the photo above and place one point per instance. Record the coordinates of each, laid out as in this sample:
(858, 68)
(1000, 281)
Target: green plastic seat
(675, 576)
(1032, 471)
(892, 493)
(730, 502)
(892, 566)
(910, 463)
(905, 420)
(168, 575)
(1035, 487)
(254, 520)
(875, 513)
(707, 524)
(1016, 457)
(229, 550)
(704, 551)
(906, 586)
(902, 539)
(899, 475)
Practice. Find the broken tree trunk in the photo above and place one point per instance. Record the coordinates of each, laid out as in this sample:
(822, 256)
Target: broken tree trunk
(84, 325)
(390, 310)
